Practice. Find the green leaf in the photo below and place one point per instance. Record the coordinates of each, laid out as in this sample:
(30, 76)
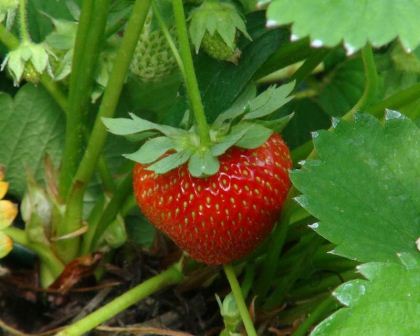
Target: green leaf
(236, 133)
(387, 304)
(31, 126)
(364, 188)
(276, 125)
(152, 150)
(345, 87)
(269, 101)
(203, 163)
(238, 107)
(329, 22)
(116, 234)
(139, 230)
(170, 162)
(125, 126)
(254, 137)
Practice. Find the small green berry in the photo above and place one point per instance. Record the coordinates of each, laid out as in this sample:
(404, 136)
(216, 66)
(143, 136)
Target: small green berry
(153, 59)
(215, 47)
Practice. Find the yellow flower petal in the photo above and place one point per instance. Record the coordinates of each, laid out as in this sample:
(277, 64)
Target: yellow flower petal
(8, 212)
(6, 245)
(4, 186)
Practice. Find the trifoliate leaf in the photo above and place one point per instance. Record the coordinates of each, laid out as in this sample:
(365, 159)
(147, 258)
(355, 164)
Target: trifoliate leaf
(269, 101)
(329, 22)
(364, 187)
(254, 137)
(216, 17)
(125, 126)
(6, 244)
(203, 163)
(386, 304)
(152, 150)
(170, 162)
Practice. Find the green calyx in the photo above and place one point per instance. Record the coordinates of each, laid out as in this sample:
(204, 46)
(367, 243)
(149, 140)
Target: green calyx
(215, 26)
(167, 147)
(28, 61)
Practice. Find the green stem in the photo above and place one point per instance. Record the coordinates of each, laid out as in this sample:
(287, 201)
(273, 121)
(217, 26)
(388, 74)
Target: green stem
(397, 100)
(287, 54)
(190, 77)
(240, 302)
(88, 42)
(309, 65)
(169, 277)
(55, 91)
(371, 82)
(43, 252)
(73, 216)
(8, 39)
(327, 283)
(169, 38)
(23, 24)
(320, 312)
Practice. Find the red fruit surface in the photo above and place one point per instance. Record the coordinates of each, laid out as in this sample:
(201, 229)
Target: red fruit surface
(223, 217)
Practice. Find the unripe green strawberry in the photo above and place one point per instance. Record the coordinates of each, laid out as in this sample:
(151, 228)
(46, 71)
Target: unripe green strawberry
(153, 58)
(215, 47)
(30, 74)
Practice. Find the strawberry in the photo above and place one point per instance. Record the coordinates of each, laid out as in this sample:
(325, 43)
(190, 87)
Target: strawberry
(153, 58)
(217, 200)
(215, 47)
(215, 27)
(222, 217)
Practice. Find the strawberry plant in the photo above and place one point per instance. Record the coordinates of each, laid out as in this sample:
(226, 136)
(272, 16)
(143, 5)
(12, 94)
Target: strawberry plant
(215, 167)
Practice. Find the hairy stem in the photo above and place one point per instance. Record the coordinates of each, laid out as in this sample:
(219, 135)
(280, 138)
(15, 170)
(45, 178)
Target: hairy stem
(240, 302)
(7, 38)
(190, 77)
(23, 23)
(73, 216)
(88, 43)
(169, 277)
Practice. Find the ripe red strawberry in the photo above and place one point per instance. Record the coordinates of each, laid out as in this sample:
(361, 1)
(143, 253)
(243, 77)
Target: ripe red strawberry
(223, 217)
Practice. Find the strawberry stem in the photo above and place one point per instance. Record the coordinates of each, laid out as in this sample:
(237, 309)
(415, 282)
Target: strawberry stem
(169, 277)
(73, 215)
(240, 302)
(371, 82)
(23, 24)
(190, 76)
(46, 256)
(86, 52)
